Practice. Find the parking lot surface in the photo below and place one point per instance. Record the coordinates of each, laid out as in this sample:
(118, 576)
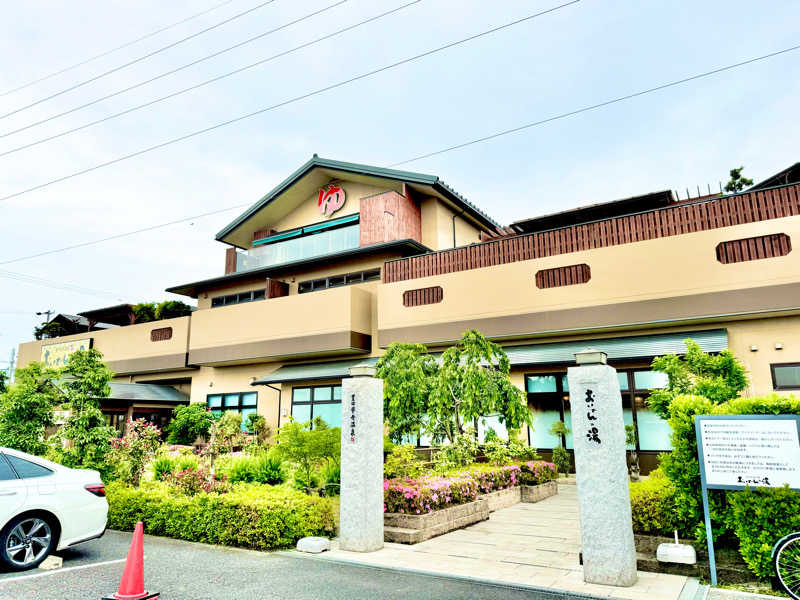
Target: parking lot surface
(188, 571)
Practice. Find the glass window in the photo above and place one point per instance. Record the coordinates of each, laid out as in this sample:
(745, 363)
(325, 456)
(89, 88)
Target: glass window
(238, 298)
(322, 394)
(491, 422)
(245, 403)
(26, 469)
(546, 411)
(541, 383)
(6, 474)
(324, 401)
(650, 380)
(622, 377)
(338, 280)
(301, 412)
(654, 432)
(330, 413)
(786, 377)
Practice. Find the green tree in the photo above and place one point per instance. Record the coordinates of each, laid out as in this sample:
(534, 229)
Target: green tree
(84, 440)
(719, 377)
(308, 449)
(170, 309)
(52, 329)
(135, 449)
(3, 386)
(442, 399)
(737, 182)
(188, 423)
(144, 312)
(26, 409)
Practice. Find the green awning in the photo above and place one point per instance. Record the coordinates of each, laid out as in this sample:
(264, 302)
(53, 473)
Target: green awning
(313, 372)
(632, 347)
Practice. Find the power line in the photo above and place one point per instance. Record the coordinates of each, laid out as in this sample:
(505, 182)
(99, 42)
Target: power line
(289, 101)
(126, 234)
(112, 50)
(139, 59)
(595, 106)
(193, 87)
(442, 151)
(161, 76)
(69, 287)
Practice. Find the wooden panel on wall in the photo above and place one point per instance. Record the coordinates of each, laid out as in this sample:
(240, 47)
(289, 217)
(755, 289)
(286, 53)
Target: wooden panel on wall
(161, 335)
(422, 296)
(748, 207)
(263, 233)
(561, 276)
(230, 260)
(388, 217)
(754, 248)
(277, 289)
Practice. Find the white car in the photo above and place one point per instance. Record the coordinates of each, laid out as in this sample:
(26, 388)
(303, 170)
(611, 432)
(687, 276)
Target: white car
(45, 507)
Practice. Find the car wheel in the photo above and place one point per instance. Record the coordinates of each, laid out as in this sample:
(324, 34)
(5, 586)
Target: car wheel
(26, 541)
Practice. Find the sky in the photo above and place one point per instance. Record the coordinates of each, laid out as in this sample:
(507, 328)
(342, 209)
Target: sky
(579, 55)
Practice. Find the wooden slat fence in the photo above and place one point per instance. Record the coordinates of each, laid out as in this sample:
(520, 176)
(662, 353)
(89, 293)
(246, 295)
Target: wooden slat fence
(560, 276)
(738, 209)
(422, 296)
(754, 248)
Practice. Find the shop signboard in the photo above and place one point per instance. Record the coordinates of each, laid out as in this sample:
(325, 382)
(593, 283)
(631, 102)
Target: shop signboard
(55, 356)
(740, 451)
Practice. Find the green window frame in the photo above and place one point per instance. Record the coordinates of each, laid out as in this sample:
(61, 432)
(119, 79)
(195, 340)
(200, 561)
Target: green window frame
(244, 403)
(311, 401)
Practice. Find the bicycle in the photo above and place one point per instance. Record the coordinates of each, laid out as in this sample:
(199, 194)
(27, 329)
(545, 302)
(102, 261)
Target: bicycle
(786, 559)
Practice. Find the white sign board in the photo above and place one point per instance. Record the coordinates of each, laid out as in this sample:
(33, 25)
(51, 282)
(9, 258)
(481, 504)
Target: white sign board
(755, 451)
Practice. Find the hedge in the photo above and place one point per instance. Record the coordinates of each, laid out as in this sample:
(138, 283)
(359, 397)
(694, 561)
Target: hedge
(249, 516)
(653, 508)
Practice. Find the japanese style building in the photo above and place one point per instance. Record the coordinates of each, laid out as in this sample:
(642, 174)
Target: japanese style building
(341, 259)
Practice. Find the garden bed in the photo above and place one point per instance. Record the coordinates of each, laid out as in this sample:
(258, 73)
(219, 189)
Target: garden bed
(412, 529)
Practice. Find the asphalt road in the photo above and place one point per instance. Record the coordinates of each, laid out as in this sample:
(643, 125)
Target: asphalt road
(188, 571)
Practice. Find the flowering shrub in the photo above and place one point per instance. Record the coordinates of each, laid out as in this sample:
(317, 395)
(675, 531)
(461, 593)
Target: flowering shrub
(135, 449)
(535, 472)
(192, 481)
(434, 492)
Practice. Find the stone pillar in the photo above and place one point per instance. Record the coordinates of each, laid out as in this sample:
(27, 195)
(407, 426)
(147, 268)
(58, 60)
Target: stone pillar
(598, 433)
(361, 501)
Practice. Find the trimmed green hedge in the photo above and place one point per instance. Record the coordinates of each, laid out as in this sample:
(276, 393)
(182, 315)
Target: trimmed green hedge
(249, 516)
(653, 505)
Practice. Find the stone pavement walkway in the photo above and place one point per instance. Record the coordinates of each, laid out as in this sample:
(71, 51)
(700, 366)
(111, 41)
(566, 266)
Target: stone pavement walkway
(529, 544)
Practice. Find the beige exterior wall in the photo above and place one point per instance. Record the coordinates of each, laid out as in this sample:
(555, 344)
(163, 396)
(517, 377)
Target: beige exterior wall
(346, 308)
(765, 335)
(119, 345)
(437, 226)
(655, 269)
(308, 211)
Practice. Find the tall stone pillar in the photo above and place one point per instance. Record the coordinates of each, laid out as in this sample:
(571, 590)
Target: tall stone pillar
(361, 501)
(598, 433)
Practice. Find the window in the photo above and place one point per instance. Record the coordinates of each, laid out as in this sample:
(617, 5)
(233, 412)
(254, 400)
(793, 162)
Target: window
(291, 246)
(786, 376)
(548, 400)
(6, 473)
(26, 469)
(324, 283)
(240, 298)
(245, 403)
(324, 401)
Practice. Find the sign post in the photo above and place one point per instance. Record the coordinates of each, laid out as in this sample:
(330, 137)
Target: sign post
(740, 451)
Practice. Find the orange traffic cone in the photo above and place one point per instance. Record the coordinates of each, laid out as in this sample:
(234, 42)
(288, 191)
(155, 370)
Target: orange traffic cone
(132, 585)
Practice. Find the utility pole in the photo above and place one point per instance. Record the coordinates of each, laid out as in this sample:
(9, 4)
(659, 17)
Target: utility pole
(46, 312)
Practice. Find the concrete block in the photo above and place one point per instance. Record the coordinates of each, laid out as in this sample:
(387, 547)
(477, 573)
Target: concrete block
(676, 553)
(51, 562)
(313, 545)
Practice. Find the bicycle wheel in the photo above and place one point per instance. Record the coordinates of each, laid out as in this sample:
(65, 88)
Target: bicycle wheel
(787, 564)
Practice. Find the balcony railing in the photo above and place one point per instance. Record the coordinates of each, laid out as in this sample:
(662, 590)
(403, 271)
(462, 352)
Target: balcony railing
(689, 217)
(316, 245)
